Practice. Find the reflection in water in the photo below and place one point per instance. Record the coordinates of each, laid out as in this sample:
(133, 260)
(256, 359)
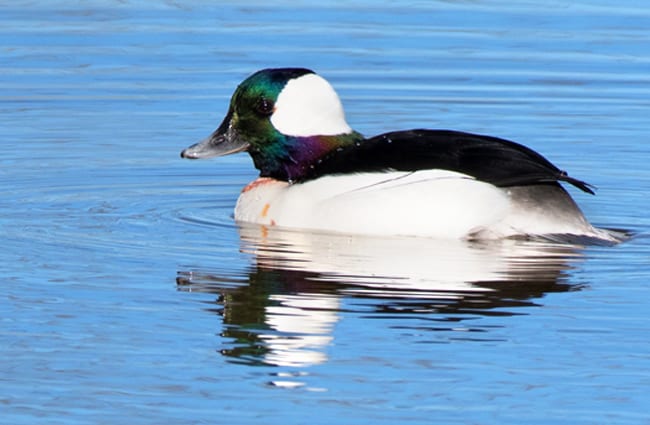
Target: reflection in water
(284, 312)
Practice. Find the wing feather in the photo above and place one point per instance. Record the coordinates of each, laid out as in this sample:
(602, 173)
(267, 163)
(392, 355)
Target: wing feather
(497, 161)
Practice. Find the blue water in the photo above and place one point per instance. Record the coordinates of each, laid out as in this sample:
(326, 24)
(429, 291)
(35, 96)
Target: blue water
(130, 295)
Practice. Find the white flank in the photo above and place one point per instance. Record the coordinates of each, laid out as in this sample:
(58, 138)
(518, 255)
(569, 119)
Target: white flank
(433, 203)
(429, 203)
(309, 106)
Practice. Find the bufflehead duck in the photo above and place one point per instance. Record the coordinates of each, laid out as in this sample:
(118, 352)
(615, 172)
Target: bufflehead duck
(316, 172)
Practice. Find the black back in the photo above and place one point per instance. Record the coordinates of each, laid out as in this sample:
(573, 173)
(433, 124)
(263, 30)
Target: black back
(490, 159)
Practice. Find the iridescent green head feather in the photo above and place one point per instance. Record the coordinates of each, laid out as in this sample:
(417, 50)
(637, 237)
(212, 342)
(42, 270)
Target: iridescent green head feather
(285, 118)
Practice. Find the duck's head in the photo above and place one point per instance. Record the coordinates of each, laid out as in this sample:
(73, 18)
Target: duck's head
(286, 118)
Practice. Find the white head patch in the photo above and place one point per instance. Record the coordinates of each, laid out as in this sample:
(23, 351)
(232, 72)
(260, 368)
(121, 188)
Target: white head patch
(309, 106)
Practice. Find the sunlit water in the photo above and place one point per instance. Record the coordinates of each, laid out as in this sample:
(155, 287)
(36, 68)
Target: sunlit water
(131, 295)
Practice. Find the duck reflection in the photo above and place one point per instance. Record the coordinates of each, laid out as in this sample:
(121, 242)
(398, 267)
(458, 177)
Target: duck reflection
(284, 310)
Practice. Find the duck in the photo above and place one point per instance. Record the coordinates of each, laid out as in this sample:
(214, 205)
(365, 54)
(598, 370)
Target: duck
(316, 173)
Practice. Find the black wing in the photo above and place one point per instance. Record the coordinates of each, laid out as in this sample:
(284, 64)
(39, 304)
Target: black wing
(496, 161)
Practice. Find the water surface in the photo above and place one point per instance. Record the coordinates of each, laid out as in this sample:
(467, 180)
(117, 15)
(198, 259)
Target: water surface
(130, 293)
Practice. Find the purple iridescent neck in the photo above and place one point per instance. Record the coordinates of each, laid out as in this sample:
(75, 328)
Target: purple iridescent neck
(291, 158)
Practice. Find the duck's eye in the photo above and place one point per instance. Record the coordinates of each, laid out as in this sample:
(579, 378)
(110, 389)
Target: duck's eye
(264, 106)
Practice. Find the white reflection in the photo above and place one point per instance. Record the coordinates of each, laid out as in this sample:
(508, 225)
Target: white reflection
(419, 264)
(303, 326)
(301, 323)
(284, 310)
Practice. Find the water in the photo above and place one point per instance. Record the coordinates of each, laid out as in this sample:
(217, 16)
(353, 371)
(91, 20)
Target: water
(130, 294)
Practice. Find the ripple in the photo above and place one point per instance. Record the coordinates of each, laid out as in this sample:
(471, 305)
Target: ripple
(126, 213)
